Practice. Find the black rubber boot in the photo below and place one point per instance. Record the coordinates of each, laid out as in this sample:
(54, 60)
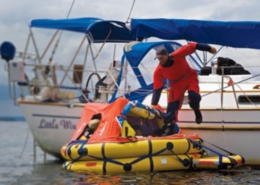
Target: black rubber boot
(198, 115)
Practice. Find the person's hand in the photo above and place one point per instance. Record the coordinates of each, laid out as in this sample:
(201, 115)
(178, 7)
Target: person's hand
(213, 50)
(154, 109)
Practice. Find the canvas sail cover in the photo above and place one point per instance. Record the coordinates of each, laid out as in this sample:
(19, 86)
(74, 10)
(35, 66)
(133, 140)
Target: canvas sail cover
(100, 30)
(239, 34)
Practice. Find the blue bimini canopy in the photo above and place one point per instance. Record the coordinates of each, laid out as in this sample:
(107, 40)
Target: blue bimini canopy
(134, 52)
(99, 30)
(240, 34)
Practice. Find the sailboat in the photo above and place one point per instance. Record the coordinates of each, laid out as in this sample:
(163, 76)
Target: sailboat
(230, 112)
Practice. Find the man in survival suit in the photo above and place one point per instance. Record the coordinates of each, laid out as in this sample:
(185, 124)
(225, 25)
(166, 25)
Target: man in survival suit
(175, 68)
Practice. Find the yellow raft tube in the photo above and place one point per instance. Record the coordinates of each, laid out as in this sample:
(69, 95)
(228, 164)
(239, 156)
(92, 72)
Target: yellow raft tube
(82, 151)
(155, 163)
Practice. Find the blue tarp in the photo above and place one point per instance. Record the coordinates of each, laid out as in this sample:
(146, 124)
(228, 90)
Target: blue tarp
(240, 34)
(100, 30)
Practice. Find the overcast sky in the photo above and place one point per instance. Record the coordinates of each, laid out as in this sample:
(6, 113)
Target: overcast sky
(15, 16)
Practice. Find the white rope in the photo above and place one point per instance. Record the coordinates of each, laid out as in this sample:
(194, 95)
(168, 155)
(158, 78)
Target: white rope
(223, 129)
(25, 143)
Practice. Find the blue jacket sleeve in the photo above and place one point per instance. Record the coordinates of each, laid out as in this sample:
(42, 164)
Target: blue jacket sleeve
(203, 47)
(156, 96)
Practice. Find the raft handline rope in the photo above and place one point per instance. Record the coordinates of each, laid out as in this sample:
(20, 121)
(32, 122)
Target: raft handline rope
(170, 146)
(69, 152)
(230, 153)
(219, 154)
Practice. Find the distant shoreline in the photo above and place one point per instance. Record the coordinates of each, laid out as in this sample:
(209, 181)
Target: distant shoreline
(12, 118)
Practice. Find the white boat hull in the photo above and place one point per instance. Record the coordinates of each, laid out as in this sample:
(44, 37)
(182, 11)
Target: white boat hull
(227, 129)
(242, 142)
(53, 124)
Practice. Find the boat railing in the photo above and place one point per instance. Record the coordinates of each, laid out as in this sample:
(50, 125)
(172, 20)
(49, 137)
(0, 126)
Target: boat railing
(35, 83)
(39, 79)
(91, 48)
(245, 85)
(232, 84)
(222, 85)
(233, 88)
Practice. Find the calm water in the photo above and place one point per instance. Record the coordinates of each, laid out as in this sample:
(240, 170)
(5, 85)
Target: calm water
(17, 167)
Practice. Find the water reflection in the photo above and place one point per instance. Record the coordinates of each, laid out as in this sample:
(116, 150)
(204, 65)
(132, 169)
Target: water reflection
(16, 169)
(53, 173)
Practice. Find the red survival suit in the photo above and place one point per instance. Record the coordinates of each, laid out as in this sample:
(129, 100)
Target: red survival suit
(182, 77)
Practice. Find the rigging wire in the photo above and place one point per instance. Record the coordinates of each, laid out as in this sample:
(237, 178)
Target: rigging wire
(128, 18)
(47, 70)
